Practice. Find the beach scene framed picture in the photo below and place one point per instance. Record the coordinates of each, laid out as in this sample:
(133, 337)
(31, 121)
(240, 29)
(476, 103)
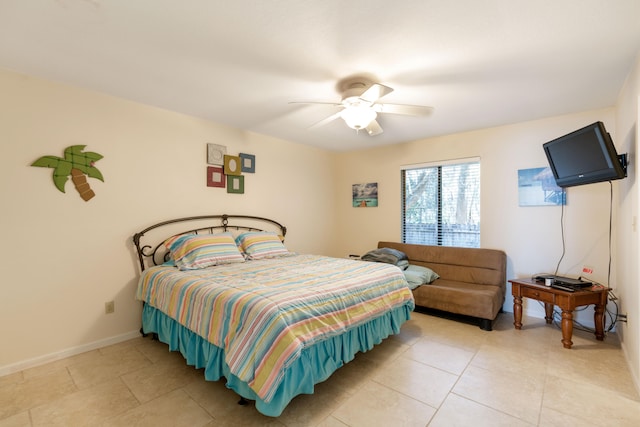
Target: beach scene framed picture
(365, 195)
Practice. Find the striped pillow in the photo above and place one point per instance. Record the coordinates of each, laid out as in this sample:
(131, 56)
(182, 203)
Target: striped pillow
(261, 244)
(191, 252)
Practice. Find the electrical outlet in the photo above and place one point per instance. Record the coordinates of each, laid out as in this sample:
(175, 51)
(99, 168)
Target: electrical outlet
(109, 307)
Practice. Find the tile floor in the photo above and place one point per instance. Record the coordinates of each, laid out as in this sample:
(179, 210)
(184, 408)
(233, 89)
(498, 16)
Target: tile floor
(436, 372)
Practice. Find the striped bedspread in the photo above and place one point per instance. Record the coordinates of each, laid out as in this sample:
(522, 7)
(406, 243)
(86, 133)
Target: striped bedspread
(264, 312)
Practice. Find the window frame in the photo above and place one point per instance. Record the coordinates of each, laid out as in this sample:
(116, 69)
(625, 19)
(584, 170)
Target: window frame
(440, 233)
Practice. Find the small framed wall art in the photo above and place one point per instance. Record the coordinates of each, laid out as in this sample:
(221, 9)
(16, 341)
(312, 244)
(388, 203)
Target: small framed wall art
(235, 184)
(537, 187)
(215, 176)
(365, 195)
(215, 154)
(248, 162)
(232, 165)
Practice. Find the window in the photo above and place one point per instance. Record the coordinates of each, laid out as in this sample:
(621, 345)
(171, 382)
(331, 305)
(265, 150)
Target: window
(441, 204)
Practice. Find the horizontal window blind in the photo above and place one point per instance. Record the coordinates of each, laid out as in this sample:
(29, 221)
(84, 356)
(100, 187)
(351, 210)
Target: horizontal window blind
(441, 203)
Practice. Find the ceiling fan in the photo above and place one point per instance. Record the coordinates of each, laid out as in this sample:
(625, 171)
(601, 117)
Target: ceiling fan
(360, 105)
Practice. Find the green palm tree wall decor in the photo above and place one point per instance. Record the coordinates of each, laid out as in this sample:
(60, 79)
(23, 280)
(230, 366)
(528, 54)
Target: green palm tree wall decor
(75, 164)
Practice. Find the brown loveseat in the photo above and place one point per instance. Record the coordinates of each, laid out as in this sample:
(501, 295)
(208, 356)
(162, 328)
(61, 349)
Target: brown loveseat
(472, 280)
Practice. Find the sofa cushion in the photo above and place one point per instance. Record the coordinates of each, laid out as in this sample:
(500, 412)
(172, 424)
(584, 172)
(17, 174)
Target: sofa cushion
(483, 301)
(417, 275)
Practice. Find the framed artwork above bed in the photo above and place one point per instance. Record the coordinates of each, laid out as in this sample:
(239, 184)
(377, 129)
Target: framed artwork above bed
(215, 176)
(232, 165)
(215, 154)
(227, 170)
(235, 184)
(248, 162)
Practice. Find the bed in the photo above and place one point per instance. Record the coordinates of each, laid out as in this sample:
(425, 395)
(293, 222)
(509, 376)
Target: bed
(226, 292)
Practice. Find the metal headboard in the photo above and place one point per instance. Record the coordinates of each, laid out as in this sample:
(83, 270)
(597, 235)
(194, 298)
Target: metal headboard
(155, 254)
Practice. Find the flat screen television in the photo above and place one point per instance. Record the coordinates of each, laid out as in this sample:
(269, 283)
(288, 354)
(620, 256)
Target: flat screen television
(585, 156)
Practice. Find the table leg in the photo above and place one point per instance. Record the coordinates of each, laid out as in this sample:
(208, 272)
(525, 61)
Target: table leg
(567, 328)
(598, 320)
(548, 312)
(517, 312)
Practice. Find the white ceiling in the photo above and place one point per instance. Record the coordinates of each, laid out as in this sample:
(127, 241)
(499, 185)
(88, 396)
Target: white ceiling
(478, 63)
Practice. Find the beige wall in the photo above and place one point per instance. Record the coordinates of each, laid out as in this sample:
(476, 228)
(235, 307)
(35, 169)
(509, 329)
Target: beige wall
(628, 120)
(64, 258)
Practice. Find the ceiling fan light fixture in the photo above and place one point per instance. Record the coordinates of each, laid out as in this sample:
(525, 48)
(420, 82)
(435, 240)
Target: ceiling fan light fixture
(360, 105)
(358, 116)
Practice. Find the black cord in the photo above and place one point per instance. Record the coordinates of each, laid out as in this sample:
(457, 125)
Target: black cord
(611, 296)
(564, 201)
(610, 230)
(613, 316)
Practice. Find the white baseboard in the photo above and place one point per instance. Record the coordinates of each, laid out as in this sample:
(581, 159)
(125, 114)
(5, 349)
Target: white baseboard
(52, 357)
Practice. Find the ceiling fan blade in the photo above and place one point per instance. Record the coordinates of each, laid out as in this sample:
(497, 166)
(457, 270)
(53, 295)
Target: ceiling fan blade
(374, 128)
(375, 92)
(326, 120)
(410, 110)
(336, 104)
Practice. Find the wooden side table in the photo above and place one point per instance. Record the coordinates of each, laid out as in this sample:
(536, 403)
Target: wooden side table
(567, 301)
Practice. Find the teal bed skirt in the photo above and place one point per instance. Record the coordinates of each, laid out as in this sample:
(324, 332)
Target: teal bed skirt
(315, 364)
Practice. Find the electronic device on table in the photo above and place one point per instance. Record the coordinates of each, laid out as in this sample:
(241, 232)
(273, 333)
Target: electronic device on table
(564, 283)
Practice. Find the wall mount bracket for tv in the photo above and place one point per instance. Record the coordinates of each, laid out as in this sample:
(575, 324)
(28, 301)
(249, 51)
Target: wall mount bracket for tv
(622, 158)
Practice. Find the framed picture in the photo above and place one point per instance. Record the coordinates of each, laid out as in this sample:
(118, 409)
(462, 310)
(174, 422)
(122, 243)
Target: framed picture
(248, 162)
(365, 195)
(537, 187)
(232, 165)
(235, 184)
(215, 176)
(215, 154)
